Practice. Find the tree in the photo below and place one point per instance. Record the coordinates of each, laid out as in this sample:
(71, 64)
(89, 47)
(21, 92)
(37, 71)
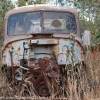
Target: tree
(20, 3)
(30, 2)
(5, 5)
(37, 1)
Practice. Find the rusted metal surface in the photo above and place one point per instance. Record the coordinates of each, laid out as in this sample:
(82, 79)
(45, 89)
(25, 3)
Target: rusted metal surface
(40, 77)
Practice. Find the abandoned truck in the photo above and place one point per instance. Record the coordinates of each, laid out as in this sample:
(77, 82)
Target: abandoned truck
(39, 42)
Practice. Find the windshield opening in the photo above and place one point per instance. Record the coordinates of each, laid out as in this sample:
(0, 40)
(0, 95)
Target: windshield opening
(30, 23)
(59, 22)
(24, 23)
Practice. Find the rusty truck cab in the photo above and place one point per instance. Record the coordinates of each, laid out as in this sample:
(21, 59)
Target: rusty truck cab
(39, 36)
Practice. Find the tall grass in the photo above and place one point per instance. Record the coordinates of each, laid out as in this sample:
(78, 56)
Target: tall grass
(93, 74)
(89, 86)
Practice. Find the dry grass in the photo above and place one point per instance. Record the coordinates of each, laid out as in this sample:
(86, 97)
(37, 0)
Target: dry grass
(93, 75)
(93, 67)
(89, 84)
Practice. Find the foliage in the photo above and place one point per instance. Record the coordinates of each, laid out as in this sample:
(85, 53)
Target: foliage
(21, 3)
(30, 2)
(5, 5)
(95, 42)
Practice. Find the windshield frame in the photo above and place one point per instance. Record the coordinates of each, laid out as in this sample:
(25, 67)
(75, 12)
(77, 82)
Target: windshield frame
(42, 22)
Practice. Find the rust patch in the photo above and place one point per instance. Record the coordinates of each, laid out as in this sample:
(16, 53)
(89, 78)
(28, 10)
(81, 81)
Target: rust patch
(4, 56)
(9, 45)
(18, 49)
(25, 62)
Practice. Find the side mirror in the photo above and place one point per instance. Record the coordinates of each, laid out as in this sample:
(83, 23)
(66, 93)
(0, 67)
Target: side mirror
(86, 38)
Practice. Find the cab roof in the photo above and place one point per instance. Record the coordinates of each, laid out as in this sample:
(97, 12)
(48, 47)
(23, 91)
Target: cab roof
(45, 7)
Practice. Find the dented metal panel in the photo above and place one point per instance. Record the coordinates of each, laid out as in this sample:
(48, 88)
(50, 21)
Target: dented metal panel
(44, 47)
(65, 52)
